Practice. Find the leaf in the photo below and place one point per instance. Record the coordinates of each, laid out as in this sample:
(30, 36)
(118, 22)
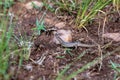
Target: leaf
(114, 36)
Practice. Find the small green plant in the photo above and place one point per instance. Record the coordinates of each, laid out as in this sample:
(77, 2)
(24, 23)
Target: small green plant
(68, 51)
(25, 44)
(5, 37)
(88, 10)
(35, 6)
(69, 6)
(7, 3)
(8, 46)
(48, 6)
(60, 57)
(116, 4)
(39, 27)
(61, 75)
(116, 68)
(86, 66)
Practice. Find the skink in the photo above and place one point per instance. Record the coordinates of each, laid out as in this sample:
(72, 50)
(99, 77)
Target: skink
(71, 44)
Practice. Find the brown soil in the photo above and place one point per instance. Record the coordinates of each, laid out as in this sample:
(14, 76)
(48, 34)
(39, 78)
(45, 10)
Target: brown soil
(44, 46)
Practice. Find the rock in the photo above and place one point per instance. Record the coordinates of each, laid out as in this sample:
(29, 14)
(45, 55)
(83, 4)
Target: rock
(65, 35)
(30, 5)
(60, 25)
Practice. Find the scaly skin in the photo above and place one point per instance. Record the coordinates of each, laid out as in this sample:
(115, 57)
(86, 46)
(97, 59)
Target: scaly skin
(72, 44)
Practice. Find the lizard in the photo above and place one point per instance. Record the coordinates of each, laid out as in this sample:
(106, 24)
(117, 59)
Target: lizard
(71, 44)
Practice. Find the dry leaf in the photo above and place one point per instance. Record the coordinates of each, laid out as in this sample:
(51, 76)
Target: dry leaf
(114, 36)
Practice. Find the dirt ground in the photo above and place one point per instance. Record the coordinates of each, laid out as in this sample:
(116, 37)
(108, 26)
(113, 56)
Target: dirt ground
(54, 56)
